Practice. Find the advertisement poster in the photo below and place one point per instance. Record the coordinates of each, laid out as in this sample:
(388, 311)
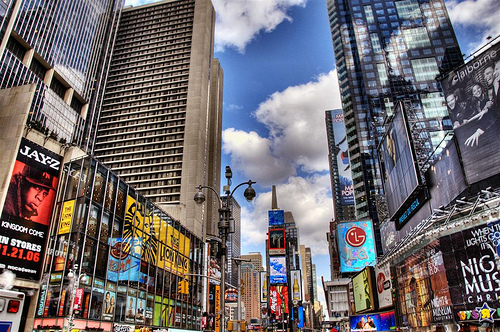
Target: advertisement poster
(383, 286)
(399, 169)
(109, 305)
(278, 299)
(28, 209)
(171, 255)
(263, 287)
(296, 286)
(362, 290)
(130, 310)
(425, 298)
(473, 278)
(276, 241)
(385, 321)
(277, 274)
(342, 158)
(356, 245)
(473, 102)
(122, 264)
(276, 217)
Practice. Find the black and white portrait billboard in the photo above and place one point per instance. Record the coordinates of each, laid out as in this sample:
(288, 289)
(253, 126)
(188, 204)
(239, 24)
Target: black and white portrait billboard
(473, 102)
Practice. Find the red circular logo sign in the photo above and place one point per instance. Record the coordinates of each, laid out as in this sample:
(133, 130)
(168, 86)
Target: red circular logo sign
(380, 282)
(355, 236)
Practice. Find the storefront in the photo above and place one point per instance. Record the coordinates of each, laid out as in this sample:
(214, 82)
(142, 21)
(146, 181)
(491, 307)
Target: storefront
(115, 259)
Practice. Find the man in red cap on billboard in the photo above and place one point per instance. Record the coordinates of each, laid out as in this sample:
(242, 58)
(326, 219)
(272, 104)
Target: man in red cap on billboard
(27, 191)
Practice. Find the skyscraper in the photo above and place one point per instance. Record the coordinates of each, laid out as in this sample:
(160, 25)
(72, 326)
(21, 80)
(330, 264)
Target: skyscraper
(387, 51)
(161, 114)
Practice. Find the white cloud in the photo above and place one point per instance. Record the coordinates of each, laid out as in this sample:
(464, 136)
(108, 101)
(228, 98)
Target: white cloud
(240, 21)
(295, 119)
(310, 202)
(478, 14)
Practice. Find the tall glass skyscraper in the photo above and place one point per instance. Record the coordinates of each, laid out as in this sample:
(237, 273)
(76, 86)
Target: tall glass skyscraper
(386, 52)
(63, 47)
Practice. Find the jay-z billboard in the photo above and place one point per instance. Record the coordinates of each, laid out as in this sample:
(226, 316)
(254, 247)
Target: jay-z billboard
(28, 209)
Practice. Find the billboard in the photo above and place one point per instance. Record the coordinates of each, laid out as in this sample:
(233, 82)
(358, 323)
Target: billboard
(277, 267)
(296, 285)
(400, 175)
(276, 217)
(342, 158)
(28, 209)
(471, 264)
(172, 254)
(384, 321)
(263, 287)
(276, 241)
(383, 286)
(473, 102)
(362, 290)
(424, 293)
(356, 245)
(278, 301)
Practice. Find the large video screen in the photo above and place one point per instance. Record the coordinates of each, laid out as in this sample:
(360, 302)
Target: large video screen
(400, 174)
(356, 245)
(363, 291)
(28, 209)
(473, 102)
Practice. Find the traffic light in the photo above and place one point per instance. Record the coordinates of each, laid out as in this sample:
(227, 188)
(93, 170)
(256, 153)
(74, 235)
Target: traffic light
(183, 287)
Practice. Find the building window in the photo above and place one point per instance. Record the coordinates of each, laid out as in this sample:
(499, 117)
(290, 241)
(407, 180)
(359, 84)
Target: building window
(416, 38)
(408, 9)
(425, 69)
(16, 48)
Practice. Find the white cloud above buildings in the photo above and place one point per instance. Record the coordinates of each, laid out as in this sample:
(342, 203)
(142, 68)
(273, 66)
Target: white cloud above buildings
(241, 21)
(293, 157)
(481, 15)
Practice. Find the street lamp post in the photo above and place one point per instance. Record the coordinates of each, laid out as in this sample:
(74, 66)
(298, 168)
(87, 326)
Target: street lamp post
(74, 282)
(224, 225)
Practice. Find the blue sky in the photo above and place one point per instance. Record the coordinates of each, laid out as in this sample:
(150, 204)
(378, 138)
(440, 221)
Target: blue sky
(279, 78)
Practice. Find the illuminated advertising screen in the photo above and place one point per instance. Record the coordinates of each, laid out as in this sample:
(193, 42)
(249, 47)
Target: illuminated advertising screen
(424, 296)
(263, 287)
(28, 209)
(356, 245)
(277, 266)
(383, 286)
(473, 102)
(342, 158)
(276, 217)
(400, 175)
(362, 290)
(471, 258)
(276, 241)
(124, 262)
(384, 321)
(296, 286)
(172, 254)
(278, 301)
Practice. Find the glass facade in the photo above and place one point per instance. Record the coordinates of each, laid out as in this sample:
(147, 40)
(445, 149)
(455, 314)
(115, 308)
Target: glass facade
(132, 256)
(66, 58)
(386, 51)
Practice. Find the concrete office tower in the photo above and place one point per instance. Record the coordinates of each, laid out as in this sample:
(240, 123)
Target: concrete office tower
(66, 58)
(161, 118)
(387, 51)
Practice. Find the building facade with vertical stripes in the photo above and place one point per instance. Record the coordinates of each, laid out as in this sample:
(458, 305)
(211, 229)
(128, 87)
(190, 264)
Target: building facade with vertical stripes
(160, 120)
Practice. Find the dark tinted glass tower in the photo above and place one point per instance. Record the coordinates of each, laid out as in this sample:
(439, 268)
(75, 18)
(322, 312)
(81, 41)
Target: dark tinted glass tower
(387, 51)
(66, 58)
(160, 120)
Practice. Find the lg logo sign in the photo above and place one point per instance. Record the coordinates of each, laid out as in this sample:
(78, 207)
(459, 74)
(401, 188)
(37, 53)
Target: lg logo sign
(355, 236)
